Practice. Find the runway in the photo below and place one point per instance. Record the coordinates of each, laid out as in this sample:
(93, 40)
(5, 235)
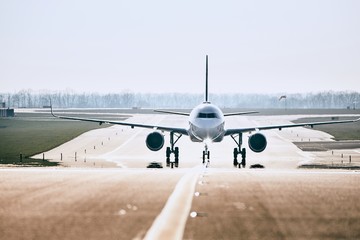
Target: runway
(81, 201)
(229, 204)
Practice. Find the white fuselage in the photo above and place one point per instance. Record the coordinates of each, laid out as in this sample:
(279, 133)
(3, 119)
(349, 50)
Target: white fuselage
(206, 122)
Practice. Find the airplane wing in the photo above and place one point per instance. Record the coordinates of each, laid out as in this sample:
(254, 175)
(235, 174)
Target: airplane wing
(239, 113)
(132, 125)
(310, 124)
(172, 112)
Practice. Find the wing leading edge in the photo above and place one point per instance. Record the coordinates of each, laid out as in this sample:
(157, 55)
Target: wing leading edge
(172, 112)
(132, 125)
(309, 124)
(239, 113)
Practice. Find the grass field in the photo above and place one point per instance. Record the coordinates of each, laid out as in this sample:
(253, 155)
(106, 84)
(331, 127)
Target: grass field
(28, 136)
(347, 131)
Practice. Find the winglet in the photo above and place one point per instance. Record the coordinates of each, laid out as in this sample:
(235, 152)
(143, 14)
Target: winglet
(206, 83)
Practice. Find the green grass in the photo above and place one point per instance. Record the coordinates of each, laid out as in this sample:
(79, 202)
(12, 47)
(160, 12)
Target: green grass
(342, 131)
(32, 136)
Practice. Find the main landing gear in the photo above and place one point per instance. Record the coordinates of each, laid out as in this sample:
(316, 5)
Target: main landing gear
(239, 151)
(174, 150)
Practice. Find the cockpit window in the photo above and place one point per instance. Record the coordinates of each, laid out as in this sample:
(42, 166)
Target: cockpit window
(207, 115)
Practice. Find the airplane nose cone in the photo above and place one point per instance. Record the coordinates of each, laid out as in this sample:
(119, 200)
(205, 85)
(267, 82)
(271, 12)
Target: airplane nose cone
(210, 134)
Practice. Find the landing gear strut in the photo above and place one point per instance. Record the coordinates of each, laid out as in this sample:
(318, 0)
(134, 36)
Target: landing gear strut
(238, 151)
(206, 155)
(174, 150)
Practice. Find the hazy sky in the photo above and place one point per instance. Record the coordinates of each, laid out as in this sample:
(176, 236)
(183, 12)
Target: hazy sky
(160, 46)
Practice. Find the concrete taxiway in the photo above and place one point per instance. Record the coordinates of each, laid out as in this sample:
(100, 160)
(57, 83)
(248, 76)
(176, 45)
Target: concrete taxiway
(192, 202)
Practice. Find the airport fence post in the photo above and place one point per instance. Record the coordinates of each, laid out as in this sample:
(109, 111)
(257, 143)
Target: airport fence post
(75, 156)
(61, 156)
(349, 158)
(20, 157)
(43, 156)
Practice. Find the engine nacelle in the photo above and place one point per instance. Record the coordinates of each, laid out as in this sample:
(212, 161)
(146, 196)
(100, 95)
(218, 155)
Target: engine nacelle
(155, 141)
(257, 142)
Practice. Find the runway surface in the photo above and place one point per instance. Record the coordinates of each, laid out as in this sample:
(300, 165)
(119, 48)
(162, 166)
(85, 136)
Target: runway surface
(191, 202)
(228, 204)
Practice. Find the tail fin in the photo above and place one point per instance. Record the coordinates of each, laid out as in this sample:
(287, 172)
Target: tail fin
(206, 84)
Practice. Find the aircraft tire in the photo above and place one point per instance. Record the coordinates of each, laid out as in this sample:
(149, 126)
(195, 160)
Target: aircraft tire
(176, 152)
(243, 163)
(168, 152)
(243, 157)
(243, 153)
(235, 162)
(236, 152)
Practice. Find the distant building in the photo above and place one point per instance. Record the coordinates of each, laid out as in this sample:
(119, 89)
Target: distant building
(2, 105)
(7, 112)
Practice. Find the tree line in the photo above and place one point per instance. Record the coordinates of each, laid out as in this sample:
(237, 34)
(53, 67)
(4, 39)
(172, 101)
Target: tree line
(69, 99)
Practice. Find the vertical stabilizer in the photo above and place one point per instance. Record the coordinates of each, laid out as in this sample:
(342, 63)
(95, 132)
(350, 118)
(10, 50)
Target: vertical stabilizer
(206, 84)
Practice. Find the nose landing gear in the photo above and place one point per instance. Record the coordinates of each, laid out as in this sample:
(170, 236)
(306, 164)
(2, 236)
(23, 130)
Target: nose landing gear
(206, 155)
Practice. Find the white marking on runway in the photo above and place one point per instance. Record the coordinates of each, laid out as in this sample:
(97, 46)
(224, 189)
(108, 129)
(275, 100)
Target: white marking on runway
(124, 144)
(170, 223)
(108, 154)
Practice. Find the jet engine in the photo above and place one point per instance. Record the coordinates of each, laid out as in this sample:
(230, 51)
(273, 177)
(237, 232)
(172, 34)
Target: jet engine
(155, 141)
(257, 142)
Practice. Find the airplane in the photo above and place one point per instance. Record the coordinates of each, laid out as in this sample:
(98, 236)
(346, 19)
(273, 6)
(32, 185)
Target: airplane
(206, 124)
